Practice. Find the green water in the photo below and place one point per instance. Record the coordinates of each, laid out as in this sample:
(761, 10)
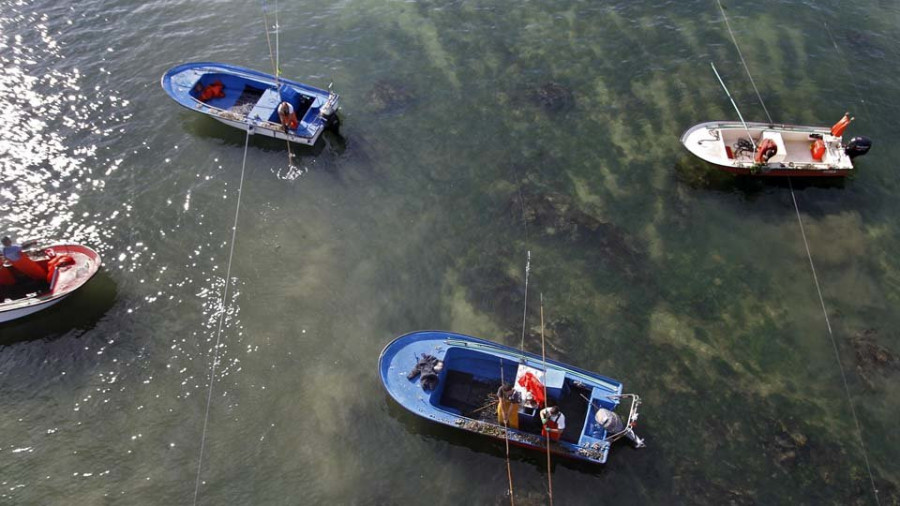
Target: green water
(473, 132)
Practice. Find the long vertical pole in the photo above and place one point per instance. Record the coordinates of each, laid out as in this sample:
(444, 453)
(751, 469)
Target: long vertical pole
(544, 358)
(512, 500)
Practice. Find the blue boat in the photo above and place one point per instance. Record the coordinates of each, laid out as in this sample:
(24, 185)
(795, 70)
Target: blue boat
(458, 387)
(249, 100)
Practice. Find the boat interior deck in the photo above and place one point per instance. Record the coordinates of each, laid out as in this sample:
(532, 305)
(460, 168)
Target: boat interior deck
(796, 145)
(23, 288)
(470, 394)
(244, 97)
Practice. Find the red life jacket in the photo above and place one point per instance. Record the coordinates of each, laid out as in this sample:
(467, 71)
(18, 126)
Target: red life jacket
(214, 90)
(838, 129)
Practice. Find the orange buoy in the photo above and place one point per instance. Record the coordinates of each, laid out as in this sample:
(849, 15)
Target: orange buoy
(838, 129)
(817, 150)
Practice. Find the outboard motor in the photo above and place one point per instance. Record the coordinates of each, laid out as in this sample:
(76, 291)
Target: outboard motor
(329, 111)
(858, 146)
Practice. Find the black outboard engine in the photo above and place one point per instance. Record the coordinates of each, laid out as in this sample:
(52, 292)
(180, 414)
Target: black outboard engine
(858, 146)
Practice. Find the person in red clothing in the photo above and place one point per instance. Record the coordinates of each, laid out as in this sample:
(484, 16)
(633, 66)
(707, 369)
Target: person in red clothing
(553, 421)
(287, 116)
(20, 260)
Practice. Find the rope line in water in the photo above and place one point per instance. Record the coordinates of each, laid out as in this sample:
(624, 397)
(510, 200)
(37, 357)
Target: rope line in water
(222, 308)
(276, 65)
(812, 266)
(837, 355)
(752, 82)
(847, 69)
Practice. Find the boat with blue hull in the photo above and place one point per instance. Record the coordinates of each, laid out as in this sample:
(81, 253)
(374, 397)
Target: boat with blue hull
(249, 100)
(462, 375)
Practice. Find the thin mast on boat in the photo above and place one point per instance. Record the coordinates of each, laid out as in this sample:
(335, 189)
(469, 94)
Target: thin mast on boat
(741, 116)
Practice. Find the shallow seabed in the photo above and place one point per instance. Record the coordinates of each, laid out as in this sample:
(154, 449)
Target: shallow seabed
(473, 132)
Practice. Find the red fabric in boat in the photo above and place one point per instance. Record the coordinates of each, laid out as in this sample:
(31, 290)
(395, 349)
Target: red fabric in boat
(817, 150)
(534, 386)
(57, 262)
(838, 128)
(29, 267)
(7, 278)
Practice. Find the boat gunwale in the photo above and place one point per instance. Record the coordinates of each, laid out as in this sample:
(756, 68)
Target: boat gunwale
(49, 296)
(790, 168)
(523, 438)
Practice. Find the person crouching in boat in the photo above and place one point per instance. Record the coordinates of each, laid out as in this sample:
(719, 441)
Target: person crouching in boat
(614, 426)
(20, 260)
(553, 421)
(508, 406)
(288, 116)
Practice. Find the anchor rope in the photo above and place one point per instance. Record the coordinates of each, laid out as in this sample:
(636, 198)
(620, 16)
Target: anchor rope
(812, 266)
(222, 308)
(276, 65)
(837, 355)
(847, 69)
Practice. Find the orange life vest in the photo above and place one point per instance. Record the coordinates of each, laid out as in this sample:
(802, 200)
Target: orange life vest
(838, 129)
(214, 90)
(817, 150)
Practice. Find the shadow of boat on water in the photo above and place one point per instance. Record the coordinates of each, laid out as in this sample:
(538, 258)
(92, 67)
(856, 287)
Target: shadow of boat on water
(701, 175)
(79, 311)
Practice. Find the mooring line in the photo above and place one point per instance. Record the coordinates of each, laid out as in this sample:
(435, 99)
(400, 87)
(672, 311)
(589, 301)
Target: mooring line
(222, 308)
(733, 39)
(834, 345)
(812, 266)
(847, 69)
(276, 64)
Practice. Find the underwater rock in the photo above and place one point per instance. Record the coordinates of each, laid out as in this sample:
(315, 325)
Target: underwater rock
(553, 97)
(862, 44)
(784, 445)
(559, 215)
(872, 358)
(492, 291)
(388, 96)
